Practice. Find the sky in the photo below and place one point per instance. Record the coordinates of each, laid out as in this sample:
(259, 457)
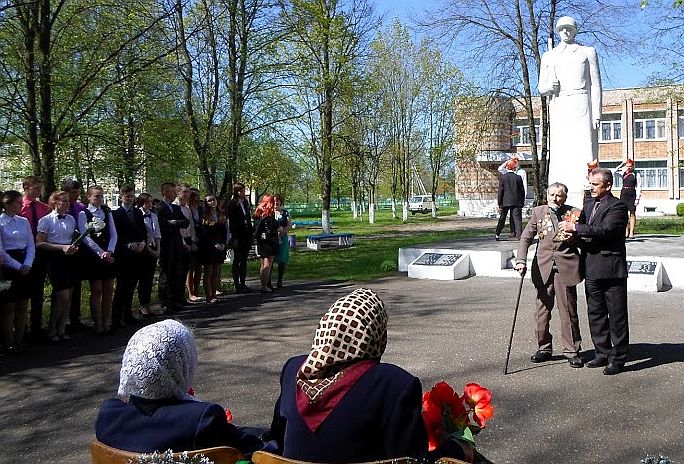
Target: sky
(617, 72)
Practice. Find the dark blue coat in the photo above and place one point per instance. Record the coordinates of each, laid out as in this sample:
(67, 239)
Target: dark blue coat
(180, 425)
(378, 418)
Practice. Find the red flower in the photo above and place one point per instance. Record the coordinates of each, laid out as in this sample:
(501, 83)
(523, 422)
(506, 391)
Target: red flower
(191, 391)
(479, 399)
(443, 413)
(229, 416)
(432, 417)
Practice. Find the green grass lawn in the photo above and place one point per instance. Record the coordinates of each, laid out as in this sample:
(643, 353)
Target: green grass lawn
(660, 225)
(368, 259)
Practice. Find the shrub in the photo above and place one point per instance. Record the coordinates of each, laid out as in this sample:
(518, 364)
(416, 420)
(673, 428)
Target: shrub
(680, 209)
(388, 266)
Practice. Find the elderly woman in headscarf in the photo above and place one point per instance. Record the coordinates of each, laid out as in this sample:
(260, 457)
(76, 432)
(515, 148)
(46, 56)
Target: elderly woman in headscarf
(341, 404)
(155, 411)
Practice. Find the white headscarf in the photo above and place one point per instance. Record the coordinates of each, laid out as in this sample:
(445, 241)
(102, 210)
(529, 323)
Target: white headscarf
(159, 362)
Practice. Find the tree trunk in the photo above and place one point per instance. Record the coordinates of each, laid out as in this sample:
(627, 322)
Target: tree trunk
(47, 132)
(27, 13)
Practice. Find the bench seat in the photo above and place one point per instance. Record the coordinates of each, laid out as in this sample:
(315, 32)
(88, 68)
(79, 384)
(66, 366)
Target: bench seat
(314, 241)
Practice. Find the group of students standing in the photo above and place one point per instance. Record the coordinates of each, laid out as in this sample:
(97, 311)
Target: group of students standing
(189, 239)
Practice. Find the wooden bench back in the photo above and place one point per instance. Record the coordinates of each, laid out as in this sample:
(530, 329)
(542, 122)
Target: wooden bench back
(262, 457)
(103, 454)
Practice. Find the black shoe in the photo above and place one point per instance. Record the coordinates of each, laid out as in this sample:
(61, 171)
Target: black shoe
(598, 361)
(575, 361)
(167, 310)
(496, 236)
(612, 369)
(540, 356)
(245, 289)
(77, 325)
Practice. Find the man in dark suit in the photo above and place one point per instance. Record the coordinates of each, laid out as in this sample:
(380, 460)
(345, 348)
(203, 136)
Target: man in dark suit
(171, 250)
(511, 198)
(555, 275)
(241, 234)
(130, 245)
(602, 228)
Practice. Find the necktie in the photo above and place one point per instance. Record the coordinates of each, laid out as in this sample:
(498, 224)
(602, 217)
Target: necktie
(147, 215)
(554, 217)
(593, 211)
(34, 219)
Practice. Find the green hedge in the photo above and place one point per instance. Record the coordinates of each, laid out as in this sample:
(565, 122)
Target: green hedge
(680, 209)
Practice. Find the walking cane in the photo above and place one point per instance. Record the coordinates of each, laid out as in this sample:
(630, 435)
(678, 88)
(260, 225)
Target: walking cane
(515, 315)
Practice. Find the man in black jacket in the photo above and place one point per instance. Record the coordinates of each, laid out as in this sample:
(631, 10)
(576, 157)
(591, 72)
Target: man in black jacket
(171, 250)
(130, 244)
(602, 228)
(511, 198)
(241, 235)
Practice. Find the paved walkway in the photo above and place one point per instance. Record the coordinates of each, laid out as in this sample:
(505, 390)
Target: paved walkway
(457, 331)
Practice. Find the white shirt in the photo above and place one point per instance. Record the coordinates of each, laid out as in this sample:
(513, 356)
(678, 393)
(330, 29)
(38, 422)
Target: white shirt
(98, 213)
(58, 230)
(16, 235)
(152, 226)
(188, 232)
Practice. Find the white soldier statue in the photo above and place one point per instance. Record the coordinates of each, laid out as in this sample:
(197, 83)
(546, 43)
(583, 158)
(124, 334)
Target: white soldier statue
(570, 77)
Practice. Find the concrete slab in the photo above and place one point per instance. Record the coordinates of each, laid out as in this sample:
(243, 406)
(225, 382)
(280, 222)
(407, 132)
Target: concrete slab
(491, 258)
(439, 266)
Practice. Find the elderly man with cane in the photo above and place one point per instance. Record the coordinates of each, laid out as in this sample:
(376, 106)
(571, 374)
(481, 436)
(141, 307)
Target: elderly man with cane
(555, 274)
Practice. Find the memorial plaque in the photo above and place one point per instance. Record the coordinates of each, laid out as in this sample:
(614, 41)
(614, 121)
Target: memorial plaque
(436, 259)
(641, 267)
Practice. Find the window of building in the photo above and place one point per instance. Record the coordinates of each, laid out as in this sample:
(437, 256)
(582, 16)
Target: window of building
(521, 132)
(611, 128)
(651, 175)
(649, 125)
(680, 124)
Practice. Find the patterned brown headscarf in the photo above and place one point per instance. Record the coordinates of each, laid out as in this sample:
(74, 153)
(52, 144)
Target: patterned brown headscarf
(354, 329)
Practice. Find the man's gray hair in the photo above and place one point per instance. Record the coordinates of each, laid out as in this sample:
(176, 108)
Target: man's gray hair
(606, 174)
(559, 185)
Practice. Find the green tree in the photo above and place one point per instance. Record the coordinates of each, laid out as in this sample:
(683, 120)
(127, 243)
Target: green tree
(326, 38)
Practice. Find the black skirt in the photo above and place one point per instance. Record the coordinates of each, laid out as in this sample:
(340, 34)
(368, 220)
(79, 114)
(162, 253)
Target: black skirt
(266, 248)
(62, 269)
(629, 197)
(93, 267)
(20, 288)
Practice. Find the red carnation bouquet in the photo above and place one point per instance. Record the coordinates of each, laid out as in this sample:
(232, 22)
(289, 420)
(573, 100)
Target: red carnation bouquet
(571, 217)
(450, 416)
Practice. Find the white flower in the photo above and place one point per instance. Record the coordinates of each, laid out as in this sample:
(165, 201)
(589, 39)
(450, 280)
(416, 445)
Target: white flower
(96, 225)
(167, 458)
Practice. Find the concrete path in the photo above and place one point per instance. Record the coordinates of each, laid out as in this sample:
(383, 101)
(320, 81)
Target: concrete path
(457, 331)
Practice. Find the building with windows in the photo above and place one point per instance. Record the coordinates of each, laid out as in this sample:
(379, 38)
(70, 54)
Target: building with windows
(643, 124)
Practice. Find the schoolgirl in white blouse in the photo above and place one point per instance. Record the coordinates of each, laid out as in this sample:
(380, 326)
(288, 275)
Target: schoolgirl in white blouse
(55, 233)
(17, 254)
(99, 259)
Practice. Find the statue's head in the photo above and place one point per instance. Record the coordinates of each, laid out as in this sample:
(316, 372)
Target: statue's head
(566, 26)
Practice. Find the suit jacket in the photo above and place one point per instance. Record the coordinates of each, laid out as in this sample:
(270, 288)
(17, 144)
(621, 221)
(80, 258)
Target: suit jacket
(378, 418)
(129, 229)
(180, 425)
(603, 236)
(564, 253)
(240, 224)
(170, 232)
(511, 190)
